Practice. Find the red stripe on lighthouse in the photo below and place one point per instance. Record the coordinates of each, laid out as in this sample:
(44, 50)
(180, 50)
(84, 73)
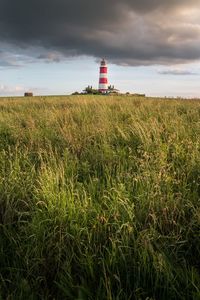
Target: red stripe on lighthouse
(103, 70)
(103, 80)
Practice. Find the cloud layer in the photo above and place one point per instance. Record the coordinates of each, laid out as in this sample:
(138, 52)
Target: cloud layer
(140, 32)
(177, 72)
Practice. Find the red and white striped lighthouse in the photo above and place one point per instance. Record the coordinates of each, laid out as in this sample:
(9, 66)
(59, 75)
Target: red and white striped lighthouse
(103, 77)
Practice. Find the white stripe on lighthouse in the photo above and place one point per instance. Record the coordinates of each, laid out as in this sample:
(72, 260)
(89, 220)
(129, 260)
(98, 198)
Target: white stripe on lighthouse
(103, 75)
(103, 86)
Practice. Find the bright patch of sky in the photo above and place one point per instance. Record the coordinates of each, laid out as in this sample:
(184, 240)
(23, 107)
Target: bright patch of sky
(67, 76)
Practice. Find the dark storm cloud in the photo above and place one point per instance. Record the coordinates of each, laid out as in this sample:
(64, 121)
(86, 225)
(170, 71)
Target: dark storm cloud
(126, 32)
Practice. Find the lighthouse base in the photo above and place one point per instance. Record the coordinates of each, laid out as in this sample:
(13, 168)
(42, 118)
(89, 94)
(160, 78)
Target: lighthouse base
(103, 91)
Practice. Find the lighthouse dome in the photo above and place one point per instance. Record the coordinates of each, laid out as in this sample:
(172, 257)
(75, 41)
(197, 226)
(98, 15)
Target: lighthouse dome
(103, 62)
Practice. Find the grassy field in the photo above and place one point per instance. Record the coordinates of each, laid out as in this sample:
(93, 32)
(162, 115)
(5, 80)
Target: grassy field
(99, 198)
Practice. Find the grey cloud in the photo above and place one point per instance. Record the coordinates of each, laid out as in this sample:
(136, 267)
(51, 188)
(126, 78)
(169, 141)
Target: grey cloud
(14, 58)
(51, 57)
(177, 72)
(140, 32)
(8, 60)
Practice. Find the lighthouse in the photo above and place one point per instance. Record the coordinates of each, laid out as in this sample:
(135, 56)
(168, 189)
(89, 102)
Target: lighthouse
(103, 77)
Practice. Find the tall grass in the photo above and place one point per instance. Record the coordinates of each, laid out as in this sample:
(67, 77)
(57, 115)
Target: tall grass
(99, 198)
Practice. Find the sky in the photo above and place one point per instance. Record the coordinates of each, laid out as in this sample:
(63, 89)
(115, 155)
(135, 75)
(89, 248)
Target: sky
(55, 46)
